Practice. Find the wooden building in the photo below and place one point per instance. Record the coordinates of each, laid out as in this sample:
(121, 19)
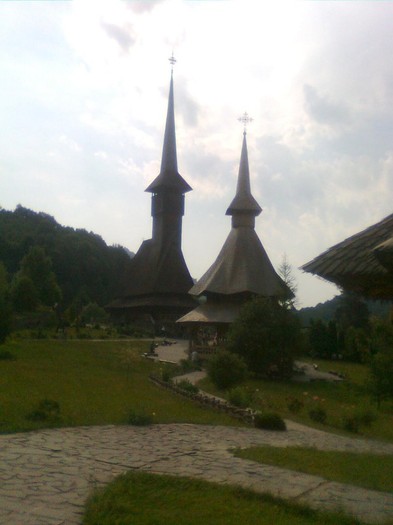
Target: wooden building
(155, 294)
(363, 263)
(242, 269)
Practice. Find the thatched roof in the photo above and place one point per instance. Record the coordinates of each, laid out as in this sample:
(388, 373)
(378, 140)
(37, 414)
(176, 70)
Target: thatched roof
(362, 263)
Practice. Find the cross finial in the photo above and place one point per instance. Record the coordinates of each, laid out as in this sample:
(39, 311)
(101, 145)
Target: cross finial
(245, 119)
(172, 61)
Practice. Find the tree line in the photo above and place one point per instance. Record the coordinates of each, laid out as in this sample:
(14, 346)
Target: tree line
(44, 264)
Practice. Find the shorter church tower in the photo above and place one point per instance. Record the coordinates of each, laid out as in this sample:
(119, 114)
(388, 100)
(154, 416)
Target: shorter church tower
(242, 269)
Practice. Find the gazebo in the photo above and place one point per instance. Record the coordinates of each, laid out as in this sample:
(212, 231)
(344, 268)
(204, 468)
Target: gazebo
(363, 263)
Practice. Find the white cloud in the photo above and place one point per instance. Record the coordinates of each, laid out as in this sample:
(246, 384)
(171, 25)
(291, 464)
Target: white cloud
(83, 101)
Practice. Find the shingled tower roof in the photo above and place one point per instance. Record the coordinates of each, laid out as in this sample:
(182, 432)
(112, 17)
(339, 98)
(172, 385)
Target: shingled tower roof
(242, 266)
(243, 201)
(169, 177)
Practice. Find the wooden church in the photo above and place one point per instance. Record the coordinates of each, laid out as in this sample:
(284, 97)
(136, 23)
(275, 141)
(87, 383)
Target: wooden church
(242, 269)
(156, 292)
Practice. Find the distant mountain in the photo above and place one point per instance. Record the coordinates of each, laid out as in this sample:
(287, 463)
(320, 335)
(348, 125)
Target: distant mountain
(326, 311)
(83, 263)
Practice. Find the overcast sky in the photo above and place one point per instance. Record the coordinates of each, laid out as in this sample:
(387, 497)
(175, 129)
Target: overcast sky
(83, 99)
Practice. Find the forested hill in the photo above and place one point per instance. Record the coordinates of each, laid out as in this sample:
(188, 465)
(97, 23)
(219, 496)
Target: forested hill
(327, 311)
(83, 264)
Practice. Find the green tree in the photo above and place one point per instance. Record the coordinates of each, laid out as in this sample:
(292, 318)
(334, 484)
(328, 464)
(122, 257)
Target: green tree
(381, 362)
(5, 306)
(24, 294)
(323, 338)
(267, 335)
(351, 311)
(93, 314)
(226, 369)
(37, 266)
(285, 271)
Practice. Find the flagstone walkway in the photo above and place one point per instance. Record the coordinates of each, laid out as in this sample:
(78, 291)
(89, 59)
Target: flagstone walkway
(46, 476)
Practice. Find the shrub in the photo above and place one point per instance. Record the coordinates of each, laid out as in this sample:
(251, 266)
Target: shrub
(353, 423)
(166, 375)
(380, 382)
(139, 418)
(366, 418)
(295, 405)
(47, 410)
(226, 369)
(239, 397)
(350, 424)
(5, 355)
(185, 384)
(318, 414)
(267, 336)
(269, 421)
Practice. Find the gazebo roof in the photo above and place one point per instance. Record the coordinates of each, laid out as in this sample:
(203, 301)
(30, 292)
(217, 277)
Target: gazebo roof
(361, 263)
(224, 313)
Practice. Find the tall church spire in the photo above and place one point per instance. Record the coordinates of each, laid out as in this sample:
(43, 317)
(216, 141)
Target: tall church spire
(169, 177)
(243, 205)
(169, 155)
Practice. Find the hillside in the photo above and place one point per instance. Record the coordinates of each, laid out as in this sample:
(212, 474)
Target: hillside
(83, 263)
(326, 311)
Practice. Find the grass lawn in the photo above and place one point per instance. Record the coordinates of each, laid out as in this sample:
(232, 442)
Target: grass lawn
(364, 470)
(95, 383)
(138, 498)
(342, 401)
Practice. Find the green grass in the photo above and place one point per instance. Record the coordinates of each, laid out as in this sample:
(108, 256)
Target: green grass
(340, 400)
(150, 499)
(95, 383)
(364, 470)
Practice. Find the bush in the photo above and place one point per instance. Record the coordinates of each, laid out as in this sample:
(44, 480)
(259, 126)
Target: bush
(318, 414)
(139, 418)
(47, 410)
(267, 336)
(350, 424)
(367, 418)
(380, 382)
(269, 421)
(239, 397)
(5, 355)
(354, 422)
(226, 369)
(295, 405)
(185, 384)
(93, 314)
(166, 375)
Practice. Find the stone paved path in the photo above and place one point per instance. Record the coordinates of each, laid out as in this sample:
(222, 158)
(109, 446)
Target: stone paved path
(46, 476)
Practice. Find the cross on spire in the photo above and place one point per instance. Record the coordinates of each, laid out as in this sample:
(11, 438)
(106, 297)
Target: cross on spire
(172, 61)
(245, 119)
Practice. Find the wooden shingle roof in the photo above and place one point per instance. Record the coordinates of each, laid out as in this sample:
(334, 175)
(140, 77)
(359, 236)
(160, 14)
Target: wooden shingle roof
(355, 264)
(241, 266)
(169, 178)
